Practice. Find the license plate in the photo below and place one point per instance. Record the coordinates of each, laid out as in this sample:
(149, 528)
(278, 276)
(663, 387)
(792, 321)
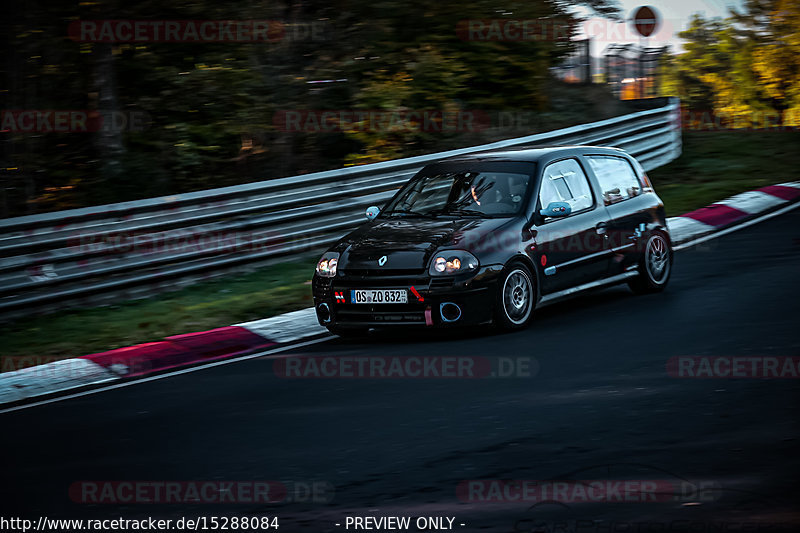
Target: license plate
(379, 296)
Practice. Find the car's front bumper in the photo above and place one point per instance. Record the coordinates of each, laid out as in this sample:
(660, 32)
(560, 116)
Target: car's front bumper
(474, 295)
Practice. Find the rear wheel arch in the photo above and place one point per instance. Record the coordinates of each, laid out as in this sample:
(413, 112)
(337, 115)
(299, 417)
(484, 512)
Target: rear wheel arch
(644, 282)
(662, 228)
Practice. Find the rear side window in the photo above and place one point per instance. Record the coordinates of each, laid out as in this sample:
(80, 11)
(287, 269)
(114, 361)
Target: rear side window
(616, 177)
(565, 181)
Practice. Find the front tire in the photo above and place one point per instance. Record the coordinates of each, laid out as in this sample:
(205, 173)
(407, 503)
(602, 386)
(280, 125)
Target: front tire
(516, 298)
(655, 265)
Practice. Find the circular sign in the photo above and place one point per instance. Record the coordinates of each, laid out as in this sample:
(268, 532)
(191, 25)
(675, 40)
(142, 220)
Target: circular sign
(645, 21)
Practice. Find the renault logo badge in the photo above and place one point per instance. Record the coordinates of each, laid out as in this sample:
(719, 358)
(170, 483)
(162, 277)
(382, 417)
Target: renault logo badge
(382, 260)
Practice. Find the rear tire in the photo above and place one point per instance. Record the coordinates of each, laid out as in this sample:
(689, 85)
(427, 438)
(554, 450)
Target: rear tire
(516, 298)
(655, 265)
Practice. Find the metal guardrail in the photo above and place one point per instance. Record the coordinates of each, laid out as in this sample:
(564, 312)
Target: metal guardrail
(119, 251)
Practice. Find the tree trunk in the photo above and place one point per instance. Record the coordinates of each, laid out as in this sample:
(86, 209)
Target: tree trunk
(108, 140)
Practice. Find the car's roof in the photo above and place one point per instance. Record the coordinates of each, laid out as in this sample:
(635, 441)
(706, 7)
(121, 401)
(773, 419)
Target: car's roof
(532, 154)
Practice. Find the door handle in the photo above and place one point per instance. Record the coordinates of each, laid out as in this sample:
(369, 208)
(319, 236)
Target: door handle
(601, 227)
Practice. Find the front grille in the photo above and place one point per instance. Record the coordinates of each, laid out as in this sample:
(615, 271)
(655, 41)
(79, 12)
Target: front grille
(442, 283)
(383, 282)
(387, 272)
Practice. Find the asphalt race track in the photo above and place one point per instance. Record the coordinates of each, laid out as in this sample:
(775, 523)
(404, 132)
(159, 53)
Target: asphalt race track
(598, 405)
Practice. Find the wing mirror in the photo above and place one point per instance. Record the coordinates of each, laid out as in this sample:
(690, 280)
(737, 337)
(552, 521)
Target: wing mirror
(372, 212)
(556, 209)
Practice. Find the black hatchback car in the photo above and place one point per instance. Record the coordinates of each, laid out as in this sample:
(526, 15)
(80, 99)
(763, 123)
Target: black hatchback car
(485, 238)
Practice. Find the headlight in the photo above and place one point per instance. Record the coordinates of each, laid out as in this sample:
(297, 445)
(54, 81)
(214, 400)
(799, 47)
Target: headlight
(453, 262)
(326, 266)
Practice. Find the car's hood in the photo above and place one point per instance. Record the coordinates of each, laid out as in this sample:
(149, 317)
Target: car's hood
(409, 243)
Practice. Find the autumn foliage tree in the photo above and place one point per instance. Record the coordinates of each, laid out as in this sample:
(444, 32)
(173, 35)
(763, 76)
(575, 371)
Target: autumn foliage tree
(210, 106)
(745, 69)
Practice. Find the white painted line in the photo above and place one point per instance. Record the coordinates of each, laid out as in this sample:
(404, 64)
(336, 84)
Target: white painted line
(737, 227)
(57, 376)
(684, 228)
(167, 375)
(288, 327)
(753, 202)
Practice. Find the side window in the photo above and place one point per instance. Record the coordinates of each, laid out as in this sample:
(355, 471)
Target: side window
(616, 178)
(565, 181)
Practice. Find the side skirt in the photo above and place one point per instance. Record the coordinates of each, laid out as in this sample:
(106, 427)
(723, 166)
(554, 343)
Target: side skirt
(573, 291)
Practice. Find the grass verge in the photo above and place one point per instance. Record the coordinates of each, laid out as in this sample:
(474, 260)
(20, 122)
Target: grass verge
(714, 165)
(269, 291)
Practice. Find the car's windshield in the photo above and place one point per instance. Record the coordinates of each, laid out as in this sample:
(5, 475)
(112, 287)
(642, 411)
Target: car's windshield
(467, 193)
